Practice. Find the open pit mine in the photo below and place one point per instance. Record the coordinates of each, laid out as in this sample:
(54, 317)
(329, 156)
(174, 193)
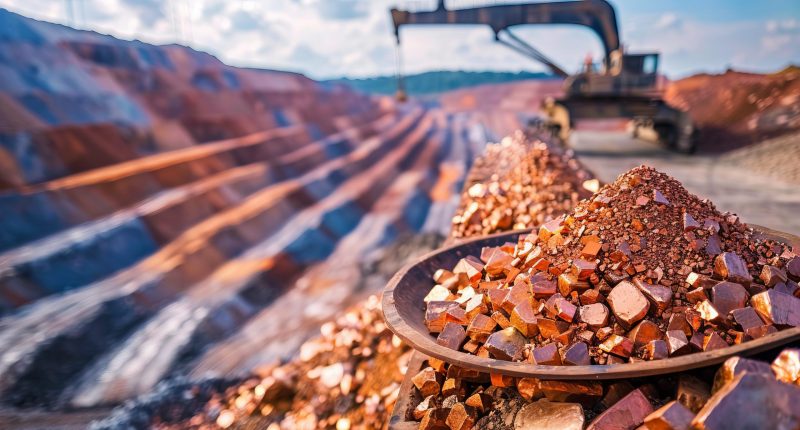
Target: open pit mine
(186, 244)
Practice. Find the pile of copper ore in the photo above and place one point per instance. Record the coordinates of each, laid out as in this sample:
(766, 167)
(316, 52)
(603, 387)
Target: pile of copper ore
(347, 378)
(742, 394)
(642, 270)
(520, 183)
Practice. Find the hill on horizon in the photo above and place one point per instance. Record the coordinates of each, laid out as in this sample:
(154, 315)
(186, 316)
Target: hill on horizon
(436, 81)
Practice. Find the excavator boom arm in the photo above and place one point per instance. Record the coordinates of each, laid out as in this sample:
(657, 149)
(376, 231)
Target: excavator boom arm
(598, 15)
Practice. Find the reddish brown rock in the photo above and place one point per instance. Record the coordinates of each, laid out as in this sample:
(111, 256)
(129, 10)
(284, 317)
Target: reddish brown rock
(452, 336)
(529, 388)
(696, 280)
(471, 267)
(709, 312)
(692, 392)
(628, 413)
(519, 293)
(568, 282)
(583, 269)
(714, 341)
(659, 198)
(734, 367)
(793, 268)
(550, 328)
(677, 342)
(437, 294)
(436, 314)
(731, 267)
(591, 249)
(506, 344)
(461, 417)
(523, 318)
(595, 315)
(656, 350)
(689, 223)
(480, 328)
(547, 355)
(428, 382)
(678, 322)
(660, 297)
(434, 419)
(498, 262)
(771, 275)
(423, 406)
(696, 295)
(577, 355)
(453, 387)
(787, 366)
(751, 401)
(501, 319)
(590, 297)
(643, 333)
(727, 296)
(672, 416)
(627, 303)
(583, 392)
(565, 310)
(546, 415)
(480, 401)
(476, 305)
(543, 289)
(777, 308)
(615, 391)
(620, 346)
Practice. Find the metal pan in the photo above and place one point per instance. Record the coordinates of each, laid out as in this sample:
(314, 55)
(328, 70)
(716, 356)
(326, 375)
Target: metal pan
(403, 310)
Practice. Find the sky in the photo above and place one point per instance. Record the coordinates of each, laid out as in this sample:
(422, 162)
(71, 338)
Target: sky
(333, 38)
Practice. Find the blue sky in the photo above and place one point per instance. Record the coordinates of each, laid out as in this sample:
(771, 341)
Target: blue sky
(330, 38)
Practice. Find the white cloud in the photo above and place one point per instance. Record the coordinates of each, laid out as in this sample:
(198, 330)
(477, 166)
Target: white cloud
(668, 21)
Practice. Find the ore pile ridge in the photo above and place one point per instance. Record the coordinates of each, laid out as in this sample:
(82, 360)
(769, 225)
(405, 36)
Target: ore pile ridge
(642, 270)
(519, 183)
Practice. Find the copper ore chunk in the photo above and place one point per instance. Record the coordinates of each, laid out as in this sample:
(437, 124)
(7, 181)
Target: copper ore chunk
(714, 341)
(678, 321)
(457, 315)
(604, 332)
(659, 296)
(734, 367)
(482, 402)
(656, 350)
(591, 249)
(523, 318)
(728, 296)
(423, 406)
(436, 314)
(434, 419)
(708, 311)
(547, 355)
(595, 315)
(590, 297)
(461, 417)
(731, 267)
(583, 269)
(471, 267)
(480, 328)
(529, 388)
(692, 392)
(500, 380)
(506, 344)
(787, 366)
(659, 198)
(696, 341)
(628, 413)
(583, 392)
(442, 275)
(549, 228)
(771, 275)
(618, 345)
(550, 328)
(577, 355)
(696, 295)
(689, 223)
(437, 294)
(777, 308)
(697, 280)
(565, 310)
(544, 415)
(428, 382)
(452, 386)
(498, 263)
(497, 296)
(677, 342)
(644, 332)
(642, 201)
(751, 401)
(452, 336)
(543, 289)
(519, 293)
(628, 303)
(672, 416)
(568, 282)
(793, 267)
(476, 305)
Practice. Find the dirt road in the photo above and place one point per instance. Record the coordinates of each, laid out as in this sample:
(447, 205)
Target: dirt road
(755, 197)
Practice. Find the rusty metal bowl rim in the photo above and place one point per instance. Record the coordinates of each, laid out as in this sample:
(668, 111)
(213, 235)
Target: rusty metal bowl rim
(423, 342)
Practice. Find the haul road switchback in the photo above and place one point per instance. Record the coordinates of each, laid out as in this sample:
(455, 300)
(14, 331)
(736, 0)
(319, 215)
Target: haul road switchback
(625, 85)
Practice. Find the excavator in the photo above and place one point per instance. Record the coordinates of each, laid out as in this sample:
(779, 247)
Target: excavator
(625, 85)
